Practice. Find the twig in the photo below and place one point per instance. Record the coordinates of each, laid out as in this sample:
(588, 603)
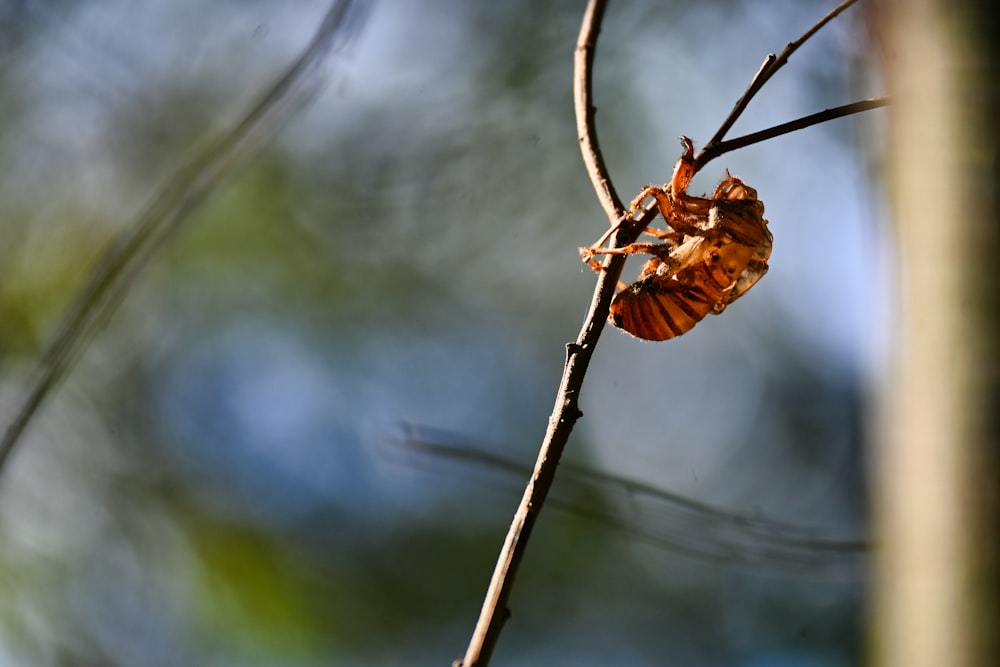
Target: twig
(710, 153)
(124, 259)
(770, 66)
(566, 411)
(583, 84)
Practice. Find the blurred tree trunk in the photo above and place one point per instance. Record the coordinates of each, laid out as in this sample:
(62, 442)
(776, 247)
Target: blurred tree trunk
(935, 478)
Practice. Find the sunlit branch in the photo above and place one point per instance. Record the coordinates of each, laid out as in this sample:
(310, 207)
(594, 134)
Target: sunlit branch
(768, 69)
(729, 145)
(566, 410)
(583, 83)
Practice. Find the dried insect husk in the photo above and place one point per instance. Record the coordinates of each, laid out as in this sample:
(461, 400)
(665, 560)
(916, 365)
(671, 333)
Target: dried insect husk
(722, 256)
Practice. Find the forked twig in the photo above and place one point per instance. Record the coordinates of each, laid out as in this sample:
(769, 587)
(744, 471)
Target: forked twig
(709, 153)
(124, 259)
(768, 69)
(566, 411)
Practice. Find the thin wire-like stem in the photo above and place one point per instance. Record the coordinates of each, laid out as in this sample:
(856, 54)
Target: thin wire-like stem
(583, 85)
(710, 153)
(768, 69)
(566, 410)
(190, 187)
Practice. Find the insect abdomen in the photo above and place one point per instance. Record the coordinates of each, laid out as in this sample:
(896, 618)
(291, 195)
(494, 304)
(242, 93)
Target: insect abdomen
(651, 310)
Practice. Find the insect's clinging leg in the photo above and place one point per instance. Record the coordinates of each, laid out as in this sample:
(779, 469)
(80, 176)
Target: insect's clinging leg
(679, 182)
(678, 213)
(636, 205)
(588, 256)
(661, 250)
(656, 249)
(588, 253)
(683, 170)
(673, 238)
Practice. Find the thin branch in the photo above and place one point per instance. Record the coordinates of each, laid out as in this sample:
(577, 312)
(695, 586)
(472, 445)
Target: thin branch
(578, 354)
(566, 411)
(768, 69)
(583, 84)
(707, 154)
(764, 72)
(115, 272)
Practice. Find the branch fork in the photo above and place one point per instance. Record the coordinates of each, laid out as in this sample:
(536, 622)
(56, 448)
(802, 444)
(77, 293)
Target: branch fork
(625, 229)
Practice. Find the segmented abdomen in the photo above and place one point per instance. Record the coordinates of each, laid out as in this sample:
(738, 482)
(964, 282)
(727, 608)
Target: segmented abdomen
(661, 306)
(659, 310)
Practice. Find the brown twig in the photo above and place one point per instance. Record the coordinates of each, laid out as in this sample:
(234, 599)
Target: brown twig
(583, 84)
(566, 411)
(768, 69)
(710, 153)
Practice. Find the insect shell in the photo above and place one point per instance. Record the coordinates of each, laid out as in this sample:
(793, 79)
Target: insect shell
(718, 250)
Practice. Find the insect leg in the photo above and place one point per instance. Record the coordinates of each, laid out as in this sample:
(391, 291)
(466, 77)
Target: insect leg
(658, 249)
(671, 239)
(674, 238)
(636, 204)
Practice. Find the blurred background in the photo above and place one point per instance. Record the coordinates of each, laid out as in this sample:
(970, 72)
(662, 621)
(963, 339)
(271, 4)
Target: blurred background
(258, 458)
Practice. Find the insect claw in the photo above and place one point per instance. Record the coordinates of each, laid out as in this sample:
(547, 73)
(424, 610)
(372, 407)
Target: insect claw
(688, 145)
(637, 204)
(587, 255)
(683, 170)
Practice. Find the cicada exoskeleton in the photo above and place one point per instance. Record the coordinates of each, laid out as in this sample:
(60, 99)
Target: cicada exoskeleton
(715, 249)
